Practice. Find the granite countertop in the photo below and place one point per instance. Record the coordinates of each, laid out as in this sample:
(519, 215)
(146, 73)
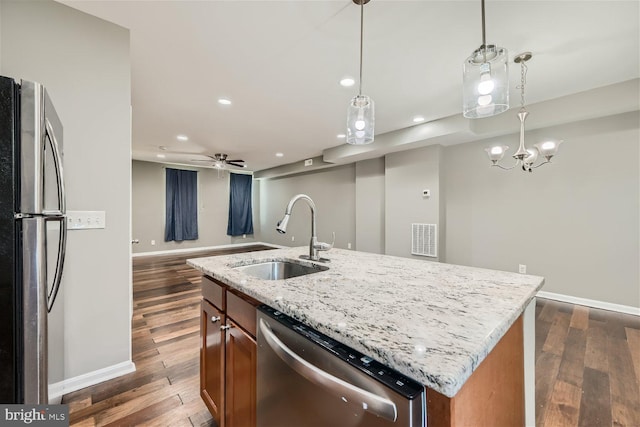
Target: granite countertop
(433, 322)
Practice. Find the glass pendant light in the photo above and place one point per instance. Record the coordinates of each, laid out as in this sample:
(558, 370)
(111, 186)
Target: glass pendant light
(485, 84)
(361, 112)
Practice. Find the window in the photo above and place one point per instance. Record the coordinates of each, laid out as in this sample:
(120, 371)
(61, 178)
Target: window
(181, 205)
(240, 211)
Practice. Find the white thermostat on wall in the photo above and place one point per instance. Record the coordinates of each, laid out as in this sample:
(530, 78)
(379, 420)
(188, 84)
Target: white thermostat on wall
(426, 193)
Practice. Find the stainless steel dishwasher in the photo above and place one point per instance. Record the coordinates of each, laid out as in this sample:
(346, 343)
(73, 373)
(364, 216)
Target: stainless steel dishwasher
(306, 379)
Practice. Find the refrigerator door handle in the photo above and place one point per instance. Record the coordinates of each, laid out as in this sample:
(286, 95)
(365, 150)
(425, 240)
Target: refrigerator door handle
(62, 248)
(57, 160)
(57, 216)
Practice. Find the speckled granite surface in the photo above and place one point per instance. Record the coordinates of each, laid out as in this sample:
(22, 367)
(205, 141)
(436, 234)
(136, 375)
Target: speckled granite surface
(433, 322)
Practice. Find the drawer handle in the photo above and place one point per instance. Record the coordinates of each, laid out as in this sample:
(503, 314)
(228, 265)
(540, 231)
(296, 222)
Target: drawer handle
(225, 327)
(215, 319)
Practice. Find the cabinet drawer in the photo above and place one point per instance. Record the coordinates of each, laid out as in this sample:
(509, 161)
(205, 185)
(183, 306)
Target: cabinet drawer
(214, 292)
(242, 311)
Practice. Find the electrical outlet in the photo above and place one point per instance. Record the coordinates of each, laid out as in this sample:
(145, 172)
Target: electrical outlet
(349, 245)
(153, 242)
(83, 220)
(293, 238)
(244, 236)
(522, 269)
(308, 162)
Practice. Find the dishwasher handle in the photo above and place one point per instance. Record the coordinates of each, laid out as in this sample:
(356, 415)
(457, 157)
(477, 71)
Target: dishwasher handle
(371, 402)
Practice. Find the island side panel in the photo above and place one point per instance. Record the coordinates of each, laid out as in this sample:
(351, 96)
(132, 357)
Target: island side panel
(493, 395)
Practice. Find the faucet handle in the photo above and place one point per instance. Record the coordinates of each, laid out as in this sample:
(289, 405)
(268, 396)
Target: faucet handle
(321, 246)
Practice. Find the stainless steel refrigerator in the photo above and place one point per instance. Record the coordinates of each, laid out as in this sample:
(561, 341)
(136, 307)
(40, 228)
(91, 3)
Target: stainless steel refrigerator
(33, 235)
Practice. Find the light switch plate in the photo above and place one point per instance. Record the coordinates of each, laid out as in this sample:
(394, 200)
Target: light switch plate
(84, 220)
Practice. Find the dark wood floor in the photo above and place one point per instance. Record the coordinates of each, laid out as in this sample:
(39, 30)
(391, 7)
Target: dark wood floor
(587, 360)
(587, 366)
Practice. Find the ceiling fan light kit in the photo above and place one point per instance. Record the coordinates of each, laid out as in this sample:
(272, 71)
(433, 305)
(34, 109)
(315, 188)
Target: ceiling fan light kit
(361, 110)
(220, 161)
(485, 83)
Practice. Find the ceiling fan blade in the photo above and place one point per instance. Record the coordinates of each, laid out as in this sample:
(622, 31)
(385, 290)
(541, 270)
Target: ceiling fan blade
(200, 160)
(235, 164)
(235, 161)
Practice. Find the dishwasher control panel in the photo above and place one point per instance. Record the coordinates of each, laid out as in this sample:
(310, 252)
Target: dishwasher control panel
(387, 376)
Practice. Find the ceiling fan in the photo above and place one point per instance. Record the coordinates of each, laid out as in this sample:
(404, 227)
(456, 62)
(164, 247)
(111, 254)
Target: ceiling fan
(220, 161)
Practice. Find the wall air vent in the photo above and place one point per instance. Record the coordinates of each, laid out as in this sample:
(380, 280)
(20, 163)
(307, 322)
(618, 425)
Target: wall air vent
(424, 240)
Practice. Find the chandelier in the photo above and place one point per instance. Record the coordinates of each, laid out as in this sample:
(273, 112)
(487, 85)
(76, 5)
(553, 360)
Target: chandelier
(525, 157)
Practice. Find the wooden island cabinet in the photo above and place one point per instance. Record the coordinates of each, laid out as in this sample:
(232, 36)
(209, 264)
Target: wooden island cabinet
(228, 354)
(492, 396)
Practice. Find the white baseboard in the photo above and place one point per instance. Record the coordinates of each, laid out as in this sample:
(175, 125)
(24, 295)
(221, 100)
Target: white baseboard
(204, 248)
(591, 303)
(57, 390)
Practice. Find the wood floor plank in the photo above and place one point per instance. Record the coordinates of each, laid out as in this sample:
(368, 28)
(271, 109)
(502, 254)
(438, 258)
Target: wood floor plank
(633, 341)
(564, 407)
(557, 334)
(595, 405)
(625, 390)
(580, 318)
(146, 413)
(572, 365)
(547, 366)
(596, 354)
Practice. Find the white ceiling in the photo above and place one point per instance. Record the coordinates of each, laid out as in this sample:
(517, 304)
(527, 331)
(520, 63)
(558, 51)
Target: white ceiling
(280, 63)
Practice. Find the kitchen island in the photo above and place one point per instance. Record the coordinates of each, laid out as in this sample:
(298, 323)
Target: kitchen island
(434, 322)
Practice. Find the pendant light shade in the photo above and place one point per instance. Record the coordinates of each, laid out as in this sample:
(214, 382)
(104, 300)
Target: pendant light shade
(360, 120)
(361, 111)
(485, 85)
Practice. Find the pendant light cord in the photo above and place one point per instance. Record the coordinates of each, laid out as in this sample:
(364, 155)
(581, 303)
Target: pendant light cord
(361, 37)
(484, 35)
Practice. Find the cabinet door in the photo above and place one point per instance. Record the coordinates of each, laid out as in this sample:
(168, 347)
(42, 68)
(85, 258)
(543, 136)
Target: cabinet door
(241, 358)
(212, 361)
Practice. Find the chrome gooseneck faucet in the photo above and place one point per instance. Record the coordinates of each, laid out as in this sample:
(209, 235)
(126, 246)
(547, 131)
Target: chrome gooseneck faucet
(314, 245)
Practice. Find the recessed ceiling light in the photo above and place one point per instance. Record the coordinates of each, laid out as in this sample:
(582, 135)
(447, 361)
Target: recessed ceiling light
(418, 119)
(224, 101)
(347, 82)
(341, 136)
(161, 156)
(279, 154)
(182, 138)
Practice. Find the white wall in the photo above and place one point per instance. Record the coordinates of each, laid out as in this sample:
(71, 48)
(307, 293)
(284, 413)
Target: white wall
(370, 199)
(148, 208)
(407, 174)
(575, 221)
(332, 191)
(84, 64)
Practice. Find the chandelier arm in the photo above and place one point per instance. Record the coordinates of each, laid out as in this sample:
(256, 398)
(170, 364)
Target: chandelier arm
(503, 168)
(537, 166)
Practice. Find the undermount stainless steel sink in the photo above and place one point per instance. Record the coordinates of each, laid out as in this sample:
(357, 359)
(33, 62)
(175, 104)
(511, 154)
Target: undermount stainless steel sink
(279, 270)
